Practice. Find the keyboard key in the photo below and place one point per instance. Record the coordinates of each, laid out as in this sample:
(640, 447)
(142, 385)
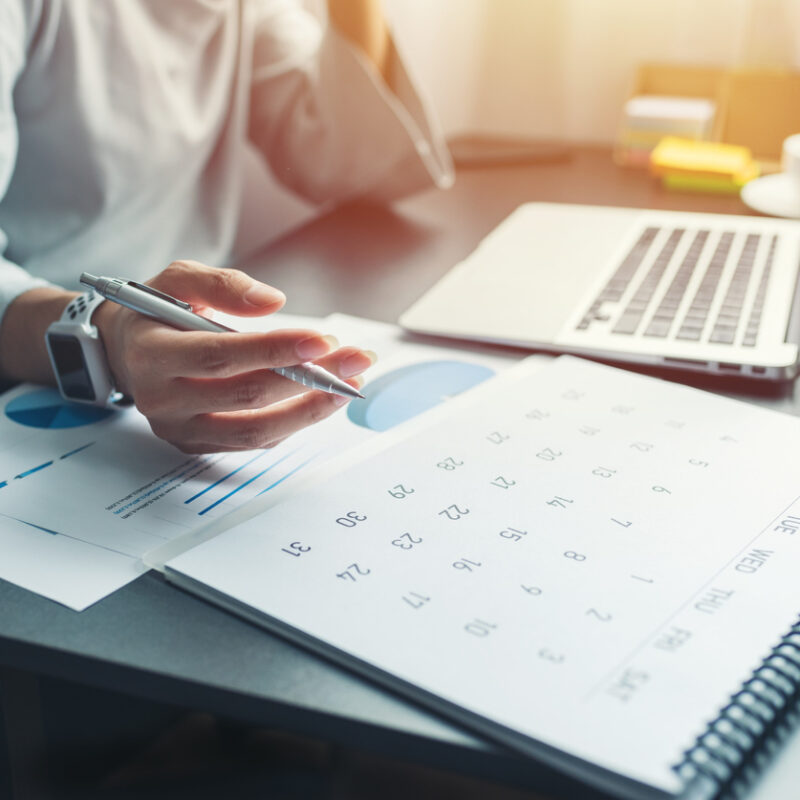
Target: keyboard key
(723, 334)
(754, 322)
(658, 327)
(694, 319)
(689, 333)
(629, 321)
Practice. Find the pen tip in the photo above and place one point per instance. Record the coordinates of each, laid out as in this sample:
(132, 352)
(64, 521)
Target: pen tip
(363, 397)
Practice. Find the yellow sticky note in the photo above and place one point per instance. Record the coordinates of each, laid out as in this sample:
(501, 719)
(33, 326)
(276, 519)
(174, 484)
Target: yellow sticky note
(673, 155)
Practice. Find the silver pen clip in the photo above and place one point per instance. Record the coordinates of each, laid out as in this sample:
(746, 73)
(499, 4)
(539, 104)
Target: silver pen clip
(163, 295)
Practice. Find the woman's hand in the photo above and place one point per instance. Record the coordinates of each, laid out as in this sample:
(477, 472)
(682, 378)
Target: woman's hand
(208, 392)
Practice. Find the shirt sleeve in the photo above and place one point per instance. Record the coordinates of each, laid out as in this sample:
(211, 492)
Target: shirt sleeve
(13, 279)
(328, 124)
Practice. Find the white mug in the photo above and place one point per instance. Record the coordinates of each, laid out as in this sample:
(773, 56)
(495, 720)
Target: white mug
(790, 160)
(778, 194)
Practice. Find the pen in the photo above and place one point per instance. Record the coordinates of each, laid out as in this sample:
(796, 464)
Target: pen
(178, 314)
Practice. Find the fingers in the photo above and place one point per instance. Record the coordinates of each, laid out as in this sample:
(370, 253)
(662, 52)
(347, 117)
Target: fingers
(210, 392)
(347, 362)
(208, 447)
(195, 354)
(247, 430)
(224, 289)
(248, 391)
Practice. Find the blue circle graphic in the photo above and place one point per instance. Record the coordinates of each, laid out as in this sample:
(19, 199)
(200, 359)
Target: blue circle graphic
(405, 392)
(46, 408)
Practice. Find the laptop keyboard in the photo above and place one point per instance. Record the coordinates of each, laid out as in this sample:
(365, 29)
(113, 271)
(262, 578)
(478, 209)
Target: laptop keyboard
(693, 323)
(639, 303)
(644, 268)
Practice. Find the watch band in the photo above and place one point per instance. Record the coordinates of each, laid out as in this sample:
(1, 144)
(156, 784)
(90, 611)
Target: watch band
(80, 309)
(78, 356)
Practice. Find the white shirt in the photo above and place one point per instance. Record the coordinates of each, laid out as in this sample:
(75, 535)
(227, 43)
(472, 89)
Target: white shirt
(123, 125)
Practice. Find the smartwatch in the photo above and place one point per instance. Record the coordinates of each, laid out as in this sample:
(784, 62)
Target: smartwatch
(78, 357)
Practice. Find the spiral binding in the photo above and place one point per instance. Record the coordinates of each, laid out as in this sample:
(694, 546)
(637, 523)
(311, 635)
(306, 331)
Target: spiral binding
(735, 747)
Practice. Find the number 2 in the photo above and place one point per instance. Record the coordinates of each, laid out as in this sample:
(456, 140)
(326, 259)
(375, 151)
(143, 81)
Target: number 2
(453, 512)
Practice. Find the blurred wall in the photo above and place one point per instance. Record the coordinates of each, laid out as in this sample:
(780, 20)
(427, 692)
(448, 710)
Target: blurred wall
(562, 68)
(546, 68)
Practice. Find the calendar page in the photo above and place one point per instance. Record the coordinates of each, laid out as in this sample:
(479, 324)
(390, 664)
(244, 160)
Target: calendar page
(581, 562)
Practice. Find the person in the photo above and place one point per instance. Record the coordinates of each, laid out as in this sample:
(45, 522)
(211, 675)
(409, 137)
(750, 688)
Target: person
(123, 128)
(122, 132)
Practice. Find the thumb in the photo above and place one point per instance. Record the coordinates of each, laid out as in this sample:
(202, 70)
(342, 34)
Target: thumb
(229, 290)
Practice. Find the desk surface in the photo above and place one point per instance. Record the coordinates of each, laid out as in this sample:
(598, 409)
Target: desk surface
(154, 641)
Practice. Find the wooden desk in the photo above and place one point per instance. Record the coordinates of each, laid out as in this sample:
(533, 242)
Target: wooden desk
(375, 262)
(153, 641)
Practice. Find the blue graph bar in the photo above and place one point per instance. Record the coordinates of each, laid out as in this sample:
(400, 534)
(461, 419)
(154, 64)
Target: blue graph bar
(40, 528)
(246, 483)
(225, 477)
(31, 471)
(289, 474)
(77, 450)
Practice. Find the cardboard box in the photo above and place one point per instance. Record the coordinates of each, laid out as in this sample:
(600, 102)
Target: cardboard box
(756, 108)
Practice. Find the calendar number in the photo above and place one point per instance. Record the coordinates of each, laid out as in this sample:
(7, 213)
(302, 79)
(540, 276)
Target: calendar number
(514, 534)
(625, 524)
(559, 502)
(534, 591)
(573, 556)
(549, 655)
(406, 541)
(449, 463)
(642, 447)
(588, 430)
(296, 549)
(604, 472)
(698, 462)
(549, 454)
(400, 491)
(480, 628)
(600, 616)
(661, 490)
(416, 600)
(453, 512)
(503, 483)
(537, 414)
(466, 565)
(353, 572)
(350, 519)
(498, 438)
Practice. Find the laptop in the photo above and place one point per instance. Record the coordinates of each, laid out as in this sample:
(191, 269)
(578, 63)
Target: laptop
(713, 293)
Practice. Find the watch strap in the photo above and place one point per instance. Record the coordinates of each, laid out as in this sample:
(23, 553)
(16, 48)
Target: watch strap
(80, 309)
(75, 324)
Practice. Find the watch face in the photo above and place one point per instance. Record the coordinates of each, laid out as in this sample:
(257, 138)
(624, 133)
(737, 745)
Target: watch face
(71, 366)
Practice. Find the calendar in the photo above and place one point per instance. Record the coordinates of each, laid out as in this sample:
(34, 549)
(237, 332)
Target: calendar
(583, 563)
